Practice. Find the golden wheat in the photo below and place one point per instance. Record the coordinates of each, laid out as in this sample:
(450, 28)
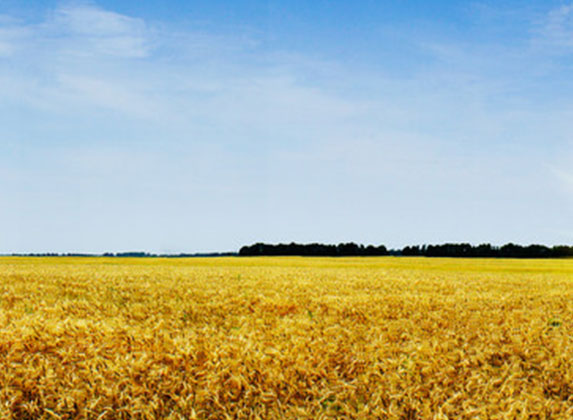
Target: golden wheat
(266, 338)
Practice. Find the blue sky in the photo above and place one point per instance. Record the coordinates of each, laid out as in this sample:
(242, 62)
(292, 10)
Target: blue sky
(185, 126)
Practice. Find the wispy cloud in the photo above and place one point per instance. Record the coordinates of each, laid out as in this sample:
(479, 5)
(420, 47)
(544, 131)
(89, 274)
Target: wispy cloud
(89, 30)
(83, 57)
(78, 30)
(558, 26)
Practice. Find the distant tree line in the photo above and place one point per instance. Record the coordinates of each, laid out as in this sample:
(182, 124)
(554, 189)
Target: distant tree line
(316, 250)
(351, 249)
(182, 255)
(133, 254)
(52, 254)
(489, 251)
(446, 250)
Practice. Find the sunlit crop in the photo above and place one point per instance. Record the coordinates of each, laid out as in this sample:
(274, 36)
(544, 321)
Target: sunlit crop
(295, 338)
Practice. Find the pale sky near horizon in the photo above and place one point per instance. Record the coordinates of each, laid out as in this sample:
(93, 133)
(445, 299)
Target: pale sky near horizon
(190, 126)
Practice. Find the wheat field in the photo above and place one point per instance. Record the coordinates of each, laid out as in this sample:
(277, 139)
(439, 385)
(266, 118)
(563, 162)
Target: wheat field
(293, 338)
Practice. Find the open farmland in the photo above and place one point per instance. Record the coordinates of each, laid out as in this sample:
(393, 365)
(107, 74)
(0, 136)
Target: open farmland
(220, 338)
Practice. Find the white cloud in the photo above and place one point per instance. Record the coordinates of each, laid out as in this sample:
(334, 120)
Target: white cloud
(97, 31)
(93, 21)
(557, 28)
(69, 65)
(80, 30)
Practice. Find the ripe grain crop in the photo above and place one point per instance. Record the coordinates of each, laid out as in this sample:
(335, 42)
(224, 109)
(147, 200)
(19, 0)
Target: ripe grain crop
(273, 338)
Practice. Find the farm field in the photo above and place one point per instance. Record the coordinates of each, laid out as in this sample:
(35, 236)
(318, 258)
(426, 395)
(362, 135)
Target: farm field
(294, 338)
